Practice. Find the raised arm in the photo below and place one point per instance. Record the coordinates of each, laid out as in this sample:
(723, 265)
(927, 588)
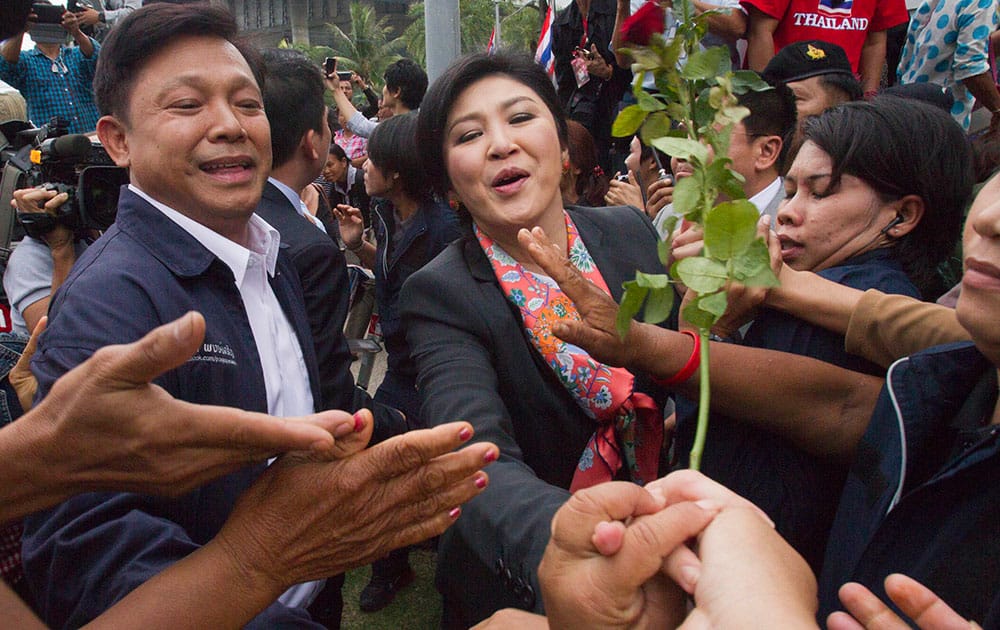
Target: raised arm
(760, 39)
(824, 409)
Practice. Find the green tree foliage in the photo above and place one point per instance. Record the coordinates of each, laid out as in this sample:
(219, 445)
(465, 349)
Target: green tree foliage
(369, 47)
(519, 26)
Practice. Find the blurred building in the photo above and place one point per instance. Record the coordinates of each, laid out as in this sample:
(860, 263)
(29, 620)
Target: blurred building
(303, 21)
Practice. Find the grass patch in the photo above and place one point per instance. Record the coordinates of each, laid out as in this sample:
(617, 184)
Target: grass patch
(416, 607)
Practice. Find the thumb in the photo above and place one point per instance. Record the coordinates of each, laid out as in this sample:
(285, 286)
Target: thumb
(162, 349)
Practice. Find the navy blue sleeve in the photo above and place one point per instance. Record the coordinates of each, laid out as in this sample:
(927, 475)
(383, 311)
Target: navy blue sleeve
(89, 552)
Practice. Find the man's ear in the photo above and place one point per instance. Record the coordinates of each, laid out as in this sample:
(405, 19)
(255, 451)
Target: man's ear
(112, 133)
(309, 145)
(768, 152)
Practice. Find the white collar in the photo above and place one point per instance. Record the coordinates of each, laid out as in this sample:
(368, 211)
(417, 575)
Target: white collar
(264, 239)
(763, 199)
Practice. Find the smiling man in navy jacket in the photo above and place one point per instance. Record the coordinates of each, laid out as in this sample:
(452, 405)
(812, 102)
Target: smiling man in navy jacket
(183, 110)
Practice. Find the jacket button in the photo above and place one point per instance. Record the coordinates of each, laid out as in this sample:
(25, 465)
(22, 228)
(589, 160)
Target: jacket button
(528, 597)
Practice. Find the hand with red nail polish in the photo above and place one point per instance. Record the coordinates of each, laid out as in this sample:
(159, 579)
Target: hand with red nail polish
(350, 511)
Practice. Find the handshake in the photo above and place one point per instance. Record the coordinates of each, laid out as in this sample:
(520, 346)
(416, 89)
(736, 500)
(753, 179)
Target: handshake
(685, 552)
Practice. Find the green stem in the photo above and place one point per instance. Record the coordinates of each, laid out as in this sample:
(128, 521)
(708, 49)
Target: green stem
(703, 403)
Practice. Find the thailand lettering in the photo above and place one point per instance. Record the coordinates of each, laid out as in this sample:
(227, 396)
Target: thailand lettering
(831, 23)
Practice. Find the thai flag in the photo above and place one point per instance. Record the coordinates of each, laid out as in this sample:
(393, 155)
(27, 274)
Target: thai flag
(492, 46)
(543, 53)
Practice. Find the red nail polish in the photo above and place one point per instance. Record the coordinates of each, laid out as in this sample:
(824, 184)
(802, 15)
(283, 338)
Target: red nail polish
(480, 482)
(465, 434)
(490, 456)
(359, 422)
(455, 512)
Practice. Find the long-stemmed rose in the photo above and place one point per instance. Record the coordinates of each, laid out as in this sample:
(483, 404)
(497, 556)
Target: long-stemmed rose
(694, 109)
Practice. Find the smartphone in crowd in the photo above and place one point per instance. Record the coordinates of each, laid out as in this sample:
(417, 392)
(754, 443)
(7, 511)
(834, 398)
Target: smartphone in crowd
(48, 13)
(330, 66)
(344, 75)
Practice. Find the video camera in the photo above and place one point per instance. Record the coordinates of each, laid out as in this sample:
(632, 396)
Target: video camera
(73, 164)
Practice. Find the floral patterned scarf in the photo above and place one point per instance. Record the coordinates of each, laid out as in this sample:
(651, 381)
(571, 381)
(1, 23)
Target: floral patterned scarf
(629, 425)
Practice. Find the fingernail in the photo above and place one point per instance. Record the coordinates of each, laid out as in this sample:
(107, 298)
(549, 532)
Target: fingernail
(465, 434)
(344, 429)
(359, 422)
(689, 575)
(490, 456)
(455, 512)
(481, 482)
(708, 505)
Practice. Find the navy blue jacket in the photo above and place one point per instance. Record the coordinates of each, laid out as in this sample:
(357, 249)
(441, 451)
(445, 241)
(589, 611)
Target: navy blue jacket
(431, 229)
(798, 491)
(923, 495)
(89, 552)
(322, 271)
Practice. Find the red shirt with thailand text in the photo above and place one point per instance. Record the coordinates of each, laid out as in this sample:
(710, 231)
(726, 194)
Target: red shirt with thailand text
(845, 23)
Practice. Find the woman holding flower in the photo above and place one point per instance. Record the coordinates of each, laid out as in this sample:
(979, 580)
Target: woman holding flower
(479, 321)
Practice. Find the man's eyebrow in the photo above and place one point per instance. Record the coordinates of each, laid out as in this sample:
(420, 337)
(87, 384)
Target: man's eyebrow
(475, 115)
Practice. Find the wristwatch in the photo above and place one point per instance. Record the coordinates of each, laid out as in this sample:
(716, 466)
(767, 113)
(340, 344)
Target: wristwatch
(101, 18)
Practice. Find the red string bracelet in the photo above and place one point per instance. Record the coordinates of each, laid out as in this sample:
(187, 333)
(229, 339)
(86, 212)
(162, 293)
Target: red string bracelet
(689, 368)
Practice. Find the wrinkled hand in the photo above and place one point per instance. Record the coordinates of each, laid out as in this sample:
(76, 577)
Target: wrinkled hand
(352, 225)
(583, 587)
(658, 195)
(595, 330)
(111, 429)
(20, 377)
(35, 200)
(624, 193)
(306, 519)
(865, 611)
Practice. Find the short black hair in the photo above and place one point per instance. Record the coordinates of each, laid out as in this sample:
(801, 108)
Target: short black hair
(144, 32)
(293, 100)
(453, 82)
(772, 113)
(904, 147)
(409, 78)
(392, 148)
(338, 152)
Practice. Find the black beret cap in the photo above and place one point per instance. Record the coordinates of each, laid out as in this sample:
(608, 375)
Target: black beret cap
(805, 59)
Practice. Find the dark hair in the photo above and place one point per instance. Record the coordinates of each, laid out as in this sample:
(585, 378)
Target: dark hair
(392, 148)
(293, 100)
(146, 31)
(338, 152)
(449, 86)
(846, 84)
(409, 78)
(592, 182)
(13, 17)
(772, 113)
(904, 147)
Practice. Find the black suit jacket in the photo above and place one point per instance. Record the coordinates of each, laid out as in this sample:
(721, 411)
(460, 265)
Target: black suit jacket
(475, 363)
(322, 272)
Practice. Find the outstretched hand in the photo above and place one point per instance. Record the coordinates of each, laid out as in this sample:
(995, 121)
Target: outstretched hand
(865, 611)
(111, 428)
(595, 330)
(305, 519)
